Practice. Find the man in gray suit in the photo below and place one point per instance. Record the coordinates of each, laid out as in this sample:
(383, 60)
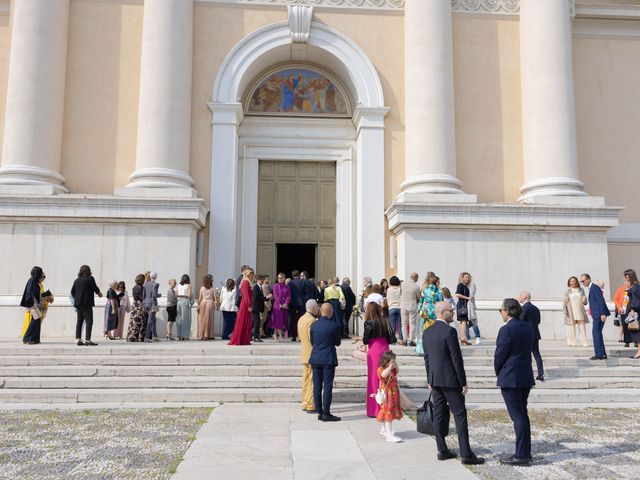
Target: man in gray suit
(150, 301)
(408, 308)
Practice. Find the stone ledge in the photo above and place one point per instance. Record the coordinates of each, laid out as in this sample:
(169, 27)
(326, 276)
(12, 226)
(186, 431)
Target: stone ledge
(103, 208)
(487, 216)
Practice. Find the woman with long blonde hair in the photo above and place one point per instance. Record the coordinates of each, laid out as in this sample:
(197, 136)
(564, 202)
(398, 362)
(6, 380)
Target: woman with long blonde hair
(431, 295)
(463, 294)
(242, 331)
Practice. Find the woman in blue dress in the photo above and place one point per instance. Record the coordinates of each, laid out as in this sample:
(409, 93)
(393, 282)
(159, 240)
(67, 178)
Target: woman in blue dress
(431, 295)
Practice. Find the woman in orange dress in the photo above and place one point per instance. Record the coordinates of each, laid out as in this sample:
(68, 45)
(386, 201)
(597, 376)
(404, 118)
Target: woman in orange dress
(390, 409)
(242, 331)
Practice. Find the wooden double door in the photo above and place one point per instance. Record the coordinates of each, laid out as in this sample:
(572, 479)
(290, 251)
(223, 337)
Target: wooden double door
(297, 218)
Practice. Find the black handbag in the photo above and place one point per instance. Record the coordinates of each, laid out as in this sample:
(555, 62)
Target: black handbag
(391, 337)
(425, 419)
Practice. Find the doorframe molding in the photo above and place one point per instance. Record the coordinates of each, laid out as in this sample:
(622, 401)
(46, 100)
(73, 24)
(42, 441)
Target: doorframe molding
(294, 139)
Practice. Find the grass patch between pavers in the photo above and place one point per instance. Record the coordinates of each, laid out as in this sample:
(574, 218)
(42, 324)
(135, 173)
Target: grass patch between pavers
(114, 443)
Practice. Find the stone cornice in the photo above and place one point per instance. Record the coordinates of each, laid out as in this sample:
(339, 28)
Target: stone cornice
(74, 208)
(479, 216)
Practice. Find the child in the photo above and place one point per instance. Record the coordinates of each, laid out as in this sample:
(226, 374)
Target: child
(446, 293)
(389, 409)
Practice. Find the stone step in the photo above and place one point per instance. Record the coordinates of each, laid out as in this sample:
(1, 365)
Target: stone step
(164, 395)
(293, 370)
(267, 349)
(247, 382)
(414, 360)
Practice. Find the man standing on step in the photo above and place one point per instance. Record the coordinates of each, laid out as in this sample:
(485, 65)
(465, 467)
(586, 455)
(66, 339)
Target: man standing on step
(448, 383)
(512, 364)
(409, 297)
(304, 332)
(257, 308)
(325, 337)
(296, 308)
(599, 313)
(531, 315)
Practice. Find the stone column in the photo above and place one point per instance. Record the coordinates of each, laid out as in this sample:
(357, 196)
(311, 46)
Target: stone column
(430, 157)
(164, 112)
(548, 110)
(31, 151)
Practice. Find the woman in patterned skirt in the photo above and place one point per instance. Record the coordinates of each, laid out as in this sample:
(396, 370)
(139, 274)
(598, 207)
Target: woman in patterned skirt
(137, 319)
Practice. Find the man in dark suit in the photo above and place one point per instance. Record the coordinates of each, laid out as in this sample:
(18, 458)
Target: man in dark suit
(296, 308)
(325, 337)
(531, 315)
(350, 299)
(257, 307)
(309, 288)
(512, 364)
(448, 383)
(599, 313)
(83, 289)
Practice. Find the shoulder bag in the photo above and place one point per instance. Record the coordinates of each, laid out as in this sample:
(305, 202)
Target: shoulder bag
(425, 419)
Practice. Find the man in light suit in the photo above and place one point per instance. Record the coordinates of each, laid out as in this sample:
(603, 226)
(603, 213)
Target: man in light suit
(304, 332)
(448, 383)
(512, 364)
(409, 298)
(325, 337)
(599, 314)
(531, 315)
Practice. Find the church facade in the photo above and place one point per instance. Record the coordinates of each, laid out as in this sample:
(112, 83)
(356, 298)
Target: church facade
(346, 137)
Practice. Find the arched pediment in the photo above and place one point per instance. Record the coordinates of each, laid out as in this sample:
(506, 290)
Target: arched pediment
(271, 45)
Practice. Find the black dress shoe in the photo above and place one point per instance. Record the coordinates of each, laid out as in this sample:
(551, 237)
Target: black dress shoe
(540, 378)
(89, 343)
(515, 461)
(327, 417)
(80, 343)
(320, 416)
(446, 455)
(595, 357)
(472, 460)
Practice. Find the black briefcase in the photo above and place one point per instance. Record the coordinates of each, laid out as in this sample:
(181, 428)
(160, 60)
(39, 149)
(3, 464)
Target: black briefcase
(425, 419)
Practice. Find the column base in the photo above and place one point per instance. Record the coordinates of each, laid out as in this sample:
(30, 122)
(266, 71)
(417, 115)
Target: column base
(552, 187)
(30, 180)
(432, 183)
(160, 177)
(427, 197)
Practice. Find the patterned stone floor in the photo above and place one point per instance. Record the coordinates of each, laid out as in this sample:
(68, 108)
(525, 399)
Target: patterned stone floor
(566, 444)
(96, 444)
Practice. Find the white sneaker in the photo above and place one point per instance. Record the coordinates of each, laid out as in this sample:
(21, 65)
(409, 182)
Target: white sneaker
(383, 432)
(392, 438)
(477, 340)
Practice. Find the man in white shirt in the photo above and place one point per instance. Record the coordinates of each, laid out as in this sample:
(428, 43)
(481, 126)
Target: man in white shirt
(409, 308)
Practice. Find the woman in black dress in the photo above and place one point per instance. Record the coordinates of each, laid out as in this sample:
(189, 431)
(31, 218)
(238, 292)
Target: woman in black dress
(464, 295)
(634, 304)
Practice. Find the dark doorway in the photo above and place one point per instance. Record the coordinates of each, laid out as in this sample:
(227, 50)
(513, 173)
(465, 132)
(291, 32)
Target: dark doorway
(296, 256)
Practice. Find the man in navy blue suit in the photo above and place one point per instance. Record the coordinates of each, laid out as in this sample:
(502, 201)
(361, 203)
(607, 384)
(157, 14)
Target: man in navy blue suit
(325, 337)
(296, 308)
(531, 315)
(512, 363)
(599, 314)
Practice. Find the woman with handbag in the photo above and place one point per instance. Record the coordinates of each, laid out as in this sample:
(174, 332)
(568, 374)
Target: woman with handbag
(463, 294)
(124, 307)
(633, 323)
(377, 336)
(430, 295)
(111, 308)
(185, 299)
(621, 299)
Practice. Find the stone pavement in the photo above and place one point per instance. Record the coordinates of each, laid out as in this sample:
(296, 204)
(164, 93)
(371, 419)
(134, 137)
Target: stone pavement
(279, 442)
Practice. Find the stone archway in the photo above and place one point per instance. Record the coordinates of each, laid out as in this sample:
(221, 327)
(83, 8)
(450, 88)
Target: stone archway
(232, 241)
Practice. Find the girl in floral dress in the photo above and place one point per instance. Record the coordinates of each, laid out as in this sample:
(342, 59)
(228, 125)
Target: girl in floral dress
(390, 409)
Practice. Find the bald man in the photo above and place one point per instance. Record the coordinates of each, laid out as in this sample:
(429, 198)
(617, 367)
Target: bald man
(325, 337)
(531, 315)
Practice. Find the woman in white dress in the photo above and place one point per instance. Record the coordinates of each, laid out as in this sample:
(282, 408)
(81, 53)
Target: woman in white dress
(574, 312)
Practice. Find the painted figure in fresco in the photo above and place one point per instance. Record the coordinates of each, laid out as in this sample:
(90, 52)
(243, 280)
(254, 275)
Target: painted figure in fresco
(289, 87)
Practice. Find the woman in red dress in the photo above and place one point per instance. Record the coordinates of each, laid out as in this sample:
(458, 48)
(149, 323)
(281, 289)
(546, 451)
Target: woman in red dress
(242, 331)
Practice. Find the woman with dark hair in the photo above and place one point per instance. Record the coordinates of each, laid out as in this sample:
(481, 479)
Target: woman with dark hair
(172, 307)
(384, 286)
(377, 337)
(279, 313)
(228, 308)
(575, 299)
(463, 294)
(183, 320)
(124, 307)
(393, 303)
(206, 307)
(33, 301)
(137, 320)
(82, 292)
(634, 304)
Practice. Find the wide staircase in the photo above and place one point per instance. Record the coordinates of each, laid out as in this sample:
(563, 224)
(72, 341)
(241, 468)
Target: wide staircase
(195, 371)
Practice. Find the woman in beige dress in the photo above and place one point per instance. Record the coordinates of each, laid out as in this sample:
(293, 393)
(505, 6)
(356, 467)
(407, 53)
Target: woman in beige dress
(206, 308)
(575, 313)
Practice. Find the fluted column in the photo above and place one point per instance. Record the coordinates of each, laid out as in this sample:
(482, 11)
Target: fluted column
(164, 112)
(430, 156)
(548, 107)
(32, 146)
